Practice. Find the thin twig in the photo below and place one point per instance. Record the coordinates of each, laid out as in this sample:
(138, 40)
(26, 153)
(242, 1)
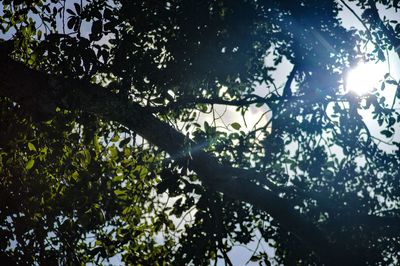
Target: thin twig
(360, 20)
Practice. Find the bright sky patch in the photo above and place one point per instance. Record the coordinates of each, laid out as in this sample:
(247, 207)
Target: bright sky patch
(364, 77)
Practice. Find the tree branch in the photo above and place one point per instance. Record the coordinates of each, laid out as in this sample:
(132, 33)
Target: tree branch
(38, 91)
(360, 20)
(287, 91)
(190, 102)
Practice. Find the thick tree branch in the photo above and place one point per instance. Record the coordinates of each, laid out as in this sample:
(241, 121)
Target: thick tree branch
(41, 93)
(190, 102)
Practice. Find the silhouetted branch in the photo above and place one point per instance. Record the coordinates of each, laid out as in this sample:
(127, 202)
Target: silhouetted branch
(360, 20)
(287, 91)
(190, 102)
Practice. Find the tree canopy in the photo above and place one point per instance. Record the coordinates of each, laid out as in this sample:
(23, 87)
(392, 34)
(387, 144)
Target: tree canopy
(115, 145)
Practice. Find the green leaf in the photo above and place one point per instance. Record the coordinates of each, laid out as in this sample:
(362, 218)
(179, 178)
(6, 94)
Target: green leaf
(124, 142)
(236, 125)
(75, 176)
(30, 164)
(113, 151)
(115, 138)
(31, 147)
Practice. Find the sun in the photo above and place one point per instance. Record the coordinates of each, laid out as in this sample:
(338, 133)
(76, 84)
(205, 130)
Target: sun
(364, 77)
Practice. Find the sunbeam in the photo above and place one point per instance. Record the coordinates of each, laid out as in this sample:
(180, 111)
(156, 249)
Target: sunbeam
(364, 77)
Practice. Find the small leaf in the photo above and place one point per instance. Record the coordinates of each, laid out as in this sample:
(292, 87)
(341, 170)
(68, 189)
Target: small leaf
(71, 22)
(392, 82)
(31, 147)
(97, 27)
(381, 55)
(236, 125)
(391, 121)
(77, 8)
(69, 11)
(124, 142)
(207, 127)
(30, 164)
(387, 133)
(115, 138)
(75, 176)
(255, 258)
(108, 14)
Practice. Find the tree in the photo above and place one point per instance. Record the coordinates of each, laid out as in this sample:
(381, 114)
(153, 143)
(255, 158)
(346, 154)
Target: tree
(102, 153)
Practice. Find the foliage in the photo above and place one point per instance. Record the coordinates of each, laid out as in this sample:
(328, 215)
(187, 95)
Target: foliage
(78, 187)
